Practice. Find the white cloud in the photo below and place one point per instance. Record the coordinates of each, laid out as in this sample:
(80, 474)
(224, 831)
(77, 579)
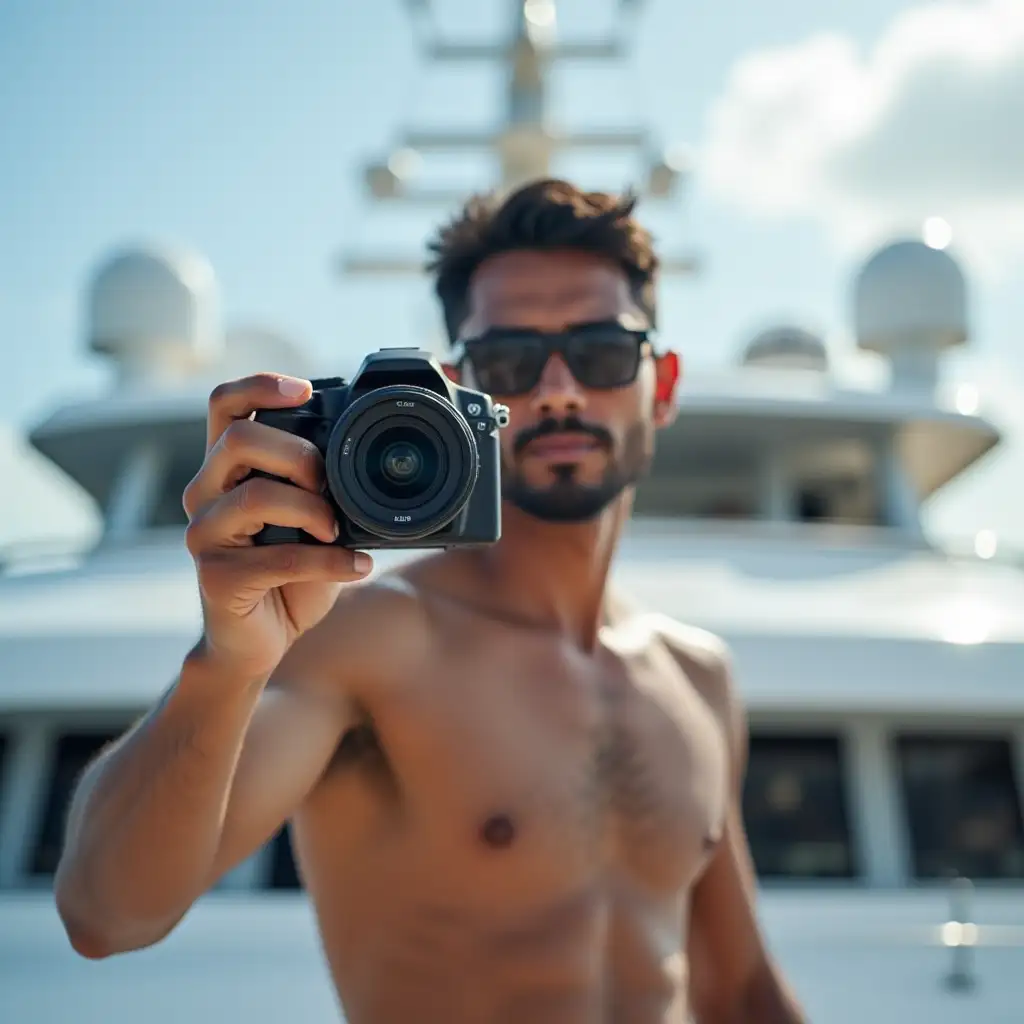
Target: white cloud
(929, 122)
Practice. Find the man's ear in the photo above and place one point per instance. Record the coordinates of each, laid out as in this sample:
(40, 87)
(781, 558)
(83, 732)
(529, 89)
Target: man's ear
(667, 374)
(452, 372)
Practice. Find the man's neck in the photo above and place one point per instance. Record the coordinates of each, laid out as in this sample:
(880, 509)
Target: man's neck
(555, 574)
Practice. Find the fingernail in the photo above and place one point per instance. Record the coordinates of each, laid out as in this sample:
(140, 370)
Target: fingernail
(292, 388)
(362, 562)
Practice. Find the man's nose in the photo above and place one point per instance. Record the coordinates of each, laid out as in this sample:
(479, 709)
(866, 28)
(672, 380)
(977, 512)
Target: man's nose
(557, 394)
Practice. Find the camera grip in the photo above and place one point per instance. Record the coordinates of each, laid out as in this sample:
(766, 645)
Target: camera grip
(271, 534)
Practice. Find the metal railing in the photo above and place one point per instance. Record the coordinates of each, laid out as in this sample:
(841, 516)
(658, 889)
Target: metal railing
(40, 554)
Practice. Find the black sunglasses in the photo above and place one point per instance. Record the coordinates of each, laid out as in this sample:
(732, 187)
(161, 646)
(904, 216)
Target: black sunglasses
(508, 361)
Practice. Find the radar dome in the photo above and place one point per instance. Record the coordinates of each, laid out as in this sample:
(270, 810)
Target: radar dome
(910, 304)
(787, 348)
(156, 312)
(254, 349)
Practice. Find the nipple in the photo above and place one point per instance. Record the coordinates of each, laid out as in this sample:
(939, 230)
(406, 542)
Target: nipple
(498, 831)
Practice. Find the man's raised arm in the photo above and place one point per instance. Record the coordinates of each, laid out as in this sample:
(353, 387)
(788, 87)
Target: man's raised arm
(156, 819)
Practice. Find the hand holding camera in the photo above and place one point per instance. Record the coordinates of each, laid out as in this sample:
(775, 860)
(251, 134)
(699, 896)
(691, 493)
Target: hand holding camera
(257, 601)
(411, 460)
(299, 475)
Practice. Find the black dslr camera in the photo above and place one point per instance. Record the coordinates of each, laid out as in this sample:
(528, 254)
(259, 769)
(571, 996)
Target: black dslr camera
(412, 460)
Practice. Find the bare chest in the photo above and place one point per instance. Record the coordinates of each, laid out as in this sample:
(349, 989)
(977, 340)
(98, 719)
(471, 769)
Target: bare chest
(537, 761)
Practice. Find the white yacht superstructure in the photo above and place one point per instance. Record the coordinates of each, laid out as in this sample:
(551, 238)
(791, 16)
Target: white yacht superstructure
(884, 677)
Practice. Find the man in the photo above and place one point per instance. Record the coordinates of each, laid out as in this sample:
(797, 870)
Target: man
(514, 797)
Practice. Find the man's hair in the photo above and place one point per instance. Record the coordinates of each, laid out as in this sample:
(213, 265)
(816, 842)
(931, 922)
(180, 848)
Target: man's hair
(545, 214)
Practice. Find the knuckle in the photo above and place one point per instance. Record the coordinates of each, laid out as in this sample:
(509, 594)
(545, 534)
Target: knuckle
(188, 496)
(236, 436)
(287, 560)
(222, 392)
(305, 447)
(229, 390)
(251, 494)
(311, 457)
(193, 540)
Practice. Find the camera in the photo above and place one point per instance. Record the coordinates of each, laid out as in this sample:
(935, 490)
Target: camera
(412, 460)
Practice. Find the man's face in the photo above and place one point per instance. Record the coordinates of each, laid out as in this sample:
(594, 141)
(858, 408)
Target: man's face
(574, 443)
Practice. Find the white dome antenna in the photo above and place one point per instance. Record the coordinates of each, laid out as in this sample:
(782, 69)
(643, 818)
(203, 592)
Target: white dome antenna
(155, 312)
(910, 305)
(787, 348)
(256, 349)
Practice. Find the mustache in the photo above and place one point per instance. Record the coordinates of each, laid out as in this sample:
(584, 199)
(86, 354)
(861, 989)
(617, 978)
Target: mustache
(572, 425)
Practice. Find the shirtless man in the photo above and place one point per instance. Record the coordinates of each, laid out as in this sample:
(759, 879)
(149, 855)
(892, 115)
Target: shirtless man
(514, 797)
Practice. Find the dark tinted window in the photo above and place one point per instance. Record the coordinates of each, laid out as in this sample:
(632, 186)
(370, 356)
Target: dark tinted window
(283, 872)
(71, 755)
(167, 508)
(834, 481)
(3, 761)
(794, 806)
(962, 805)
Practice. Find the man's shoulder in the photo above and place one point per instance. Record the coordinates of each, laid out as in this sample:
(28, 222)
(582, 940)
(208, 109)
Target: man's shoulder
(707, 662)
(697, 650)
(375, 631)
(387, 611)
(704, 657)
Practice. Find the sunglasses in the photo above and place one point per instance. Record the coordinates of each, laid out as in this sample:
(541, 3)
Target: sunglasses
(508, 361)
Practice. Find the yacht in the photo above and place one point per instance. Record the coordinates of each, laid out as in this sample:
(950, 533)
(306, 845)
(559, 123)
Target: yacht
(883, 673)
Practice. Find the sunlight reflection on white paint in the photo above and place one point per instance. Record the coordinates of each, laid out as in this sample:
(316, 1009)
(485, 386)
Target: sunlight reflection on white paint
(986, 543)
(966, 625)
(937, 233)
(967, 399)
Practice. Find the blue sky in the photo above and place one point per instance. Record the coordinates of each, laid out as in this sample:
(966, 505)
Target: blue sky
(235, 126)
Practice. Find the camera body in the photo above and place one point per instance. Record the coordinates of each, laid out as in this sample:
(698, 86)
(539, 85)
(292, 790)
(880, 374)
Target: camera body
(412, 459)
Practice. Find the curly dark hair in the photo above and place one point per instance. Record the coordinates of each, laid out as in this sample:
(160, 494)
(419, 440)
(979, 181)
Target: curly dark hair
(545, 214)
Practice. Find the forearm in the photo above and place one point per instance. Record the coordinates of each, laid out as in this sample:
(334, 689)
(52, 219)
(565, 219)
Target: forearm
(145, 823)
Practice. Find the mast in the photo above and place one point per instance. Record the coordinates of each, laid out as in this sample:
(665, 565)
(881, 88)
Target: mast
(156, 314)
(525, 143)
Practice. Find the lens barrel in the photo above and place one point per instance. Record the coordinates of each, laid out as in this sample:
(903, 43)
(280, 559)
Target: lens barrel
(401, 462)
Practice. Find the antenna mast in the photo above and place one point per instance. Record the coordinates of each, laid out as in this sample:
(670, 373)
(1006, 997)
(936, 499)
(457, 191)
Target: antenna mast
(525, 143)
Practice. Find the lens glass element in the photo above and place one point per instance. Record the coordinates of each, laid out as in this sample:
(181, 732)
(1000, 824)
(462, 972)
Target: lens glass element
(402, 462)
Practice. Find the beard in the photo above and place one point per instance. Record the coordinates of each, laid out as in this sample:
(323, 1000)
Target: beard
(566, 500)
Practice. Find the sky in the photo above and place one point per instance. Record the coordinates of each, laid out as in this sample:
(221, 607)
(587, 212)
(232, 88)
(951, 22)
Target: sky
(815, 129)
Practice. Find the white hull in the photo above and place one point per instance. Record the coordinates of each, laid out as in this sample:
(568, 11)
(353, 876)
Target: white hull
(853, 956)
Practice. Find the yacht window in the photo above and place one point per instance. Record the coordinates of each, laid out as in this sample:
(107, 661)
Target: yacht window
(283, 872)
(3, 760)
(72, 754)
(794, 807)
(700, 493)
(812, 507)
(167, 509)
(963, 806)
(833, 480)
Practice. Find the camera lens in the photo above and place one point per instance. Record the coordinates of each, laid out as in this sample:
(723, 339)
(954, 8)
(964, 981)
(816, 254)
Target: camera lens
(402, 462)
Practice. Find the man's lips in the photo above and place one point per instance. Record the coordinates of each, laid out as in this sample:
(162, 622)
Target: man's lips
(562, 445)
